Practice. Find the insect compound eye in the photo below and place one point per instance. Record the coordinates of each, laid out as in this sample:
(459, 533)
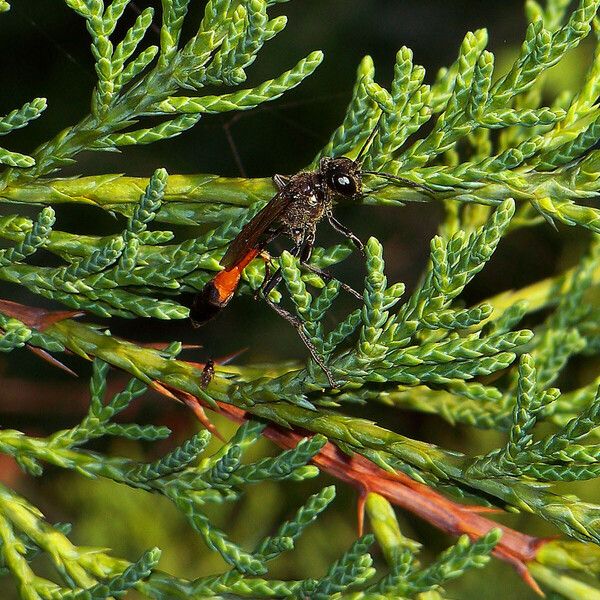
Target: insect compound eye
(343, 184)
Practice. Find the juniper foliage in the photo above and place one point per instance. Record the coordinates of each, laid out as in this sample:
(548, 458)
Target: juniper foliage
(494, 156)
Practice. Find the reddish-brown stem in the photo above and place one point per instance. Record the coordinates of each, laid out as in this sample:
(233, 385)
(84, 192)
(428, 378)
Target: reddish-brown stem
(514, 547)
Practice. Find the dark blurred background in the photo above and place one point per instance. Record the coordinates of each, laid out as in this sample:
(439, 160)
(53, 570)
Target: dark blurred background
(46, 53)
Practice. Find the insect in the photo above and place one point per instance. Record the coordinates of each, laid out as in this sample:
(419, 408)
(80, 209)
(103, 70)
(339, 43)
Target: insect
(302, 201)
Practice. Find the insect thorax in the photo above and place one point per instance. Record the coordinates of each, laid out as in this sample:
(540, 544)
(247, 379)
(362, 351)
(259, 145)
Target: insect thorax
(310, 201)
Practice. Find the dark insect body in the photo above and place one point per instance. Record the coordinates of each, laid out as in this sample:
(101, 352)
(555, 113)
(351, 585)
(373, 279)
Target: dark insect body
(208, 372)
(302, 201)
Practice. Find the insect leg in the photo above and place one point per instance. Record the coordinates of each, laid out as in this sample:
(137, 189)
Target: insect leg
(297, 324)
(345, 231)
(270, 282)
(305, 256)
(302, 248)
(304, 251)
(266, 278)
(329, 277)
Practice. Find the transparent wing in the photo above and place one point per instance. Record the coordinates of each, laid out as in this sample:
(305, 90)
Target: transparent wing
(252, 234)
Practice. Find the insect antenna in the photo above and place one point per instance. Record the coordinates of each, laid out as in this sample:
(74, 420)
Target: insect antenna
(368, 141)
(406, 182)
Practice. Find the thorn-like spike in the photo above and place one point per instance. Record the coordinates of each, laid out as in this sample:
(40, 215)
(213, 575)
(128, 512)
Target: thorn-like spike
(527, 577)
(192, 403)
(161, 389)
(225, 360)
(38, 318)
(360, 507)
(51, 360)
(202, 417)
(485, 510)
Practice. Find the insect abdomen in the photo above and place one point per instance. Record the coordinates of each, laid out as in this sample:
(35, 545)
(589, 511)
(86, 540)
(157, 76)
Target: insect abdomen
(217, 293)
(206, 305)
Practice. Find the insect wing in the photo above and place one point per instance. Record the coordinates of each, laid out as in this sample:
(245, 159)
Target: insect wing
(250, 237)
